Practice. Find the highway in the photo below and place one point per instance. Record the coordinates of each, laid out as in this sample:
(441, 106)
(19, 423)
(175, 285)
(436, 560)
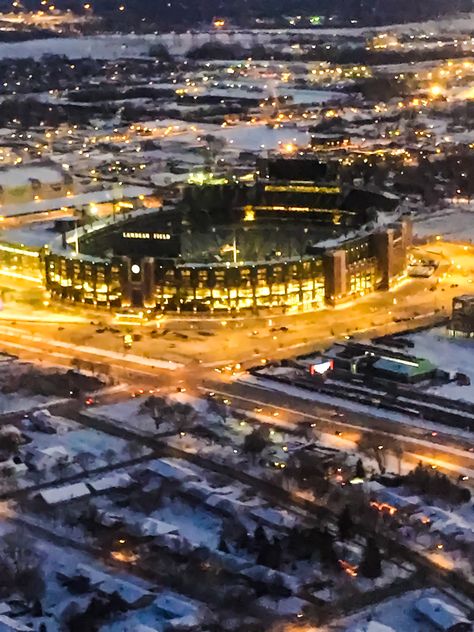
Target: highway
(249, 338)
(184, 351)
(446, 450)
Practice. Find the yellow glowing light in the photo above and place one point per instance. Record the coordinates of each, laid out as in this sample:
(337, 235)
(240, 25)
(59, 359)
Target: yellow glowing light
(249, 214)
(436, 90)
(289, 148)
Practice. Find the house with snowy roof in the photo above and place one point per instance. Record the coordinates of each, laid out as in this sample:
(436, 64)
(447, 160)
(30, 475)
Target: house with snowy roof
(371, 626)
(442, 615)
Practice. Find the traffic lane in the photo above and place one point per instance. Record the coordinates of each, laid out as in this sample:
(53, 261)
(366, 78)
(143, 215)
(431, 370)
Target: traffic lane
(337, 414)
(236, 344)
(412, 452)
(44, 352)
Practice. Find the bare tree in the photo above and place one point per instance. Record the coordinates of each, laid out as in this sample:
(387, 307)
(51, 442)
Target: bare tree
(372, 444)
(134, 450)
(256, 441)
(110, 456)
(84, 460)
(184, 417)
(397, 450)
(76, 363)
(20, 566)
(218, 408)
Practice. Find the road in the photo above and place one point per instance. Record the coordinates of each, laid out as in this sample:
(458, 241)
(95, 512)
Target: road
(223, 341)
(449, 451)
(446, 450)
(189, 339)
(184, 351)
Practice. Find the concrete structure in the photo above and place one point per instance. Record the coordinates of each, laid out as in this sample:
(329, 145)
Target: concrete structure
(299, 282)
(462, 319)
(279, 244)
(359, 358)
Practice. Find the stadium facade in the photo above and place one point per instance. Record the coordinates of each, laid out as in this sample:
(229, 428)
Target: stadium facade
(294, 239)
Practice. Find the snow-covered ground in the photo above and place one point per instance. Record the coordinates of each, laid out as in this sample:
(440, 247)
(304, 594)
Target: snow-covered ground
(449, 354)
(302, 393)
(72, 201)
(116, 46)
(455, 223)
(23, 402)
(398, 614)
(255, 138)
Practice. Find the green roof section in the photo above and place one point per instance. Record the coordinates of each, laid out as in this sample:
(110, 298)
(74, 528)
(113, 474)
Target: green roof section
(410, 368)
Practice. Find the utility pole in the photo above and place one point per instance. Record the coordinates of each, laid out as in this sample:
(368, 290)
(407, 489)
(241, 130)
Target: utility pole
(76, 238)
(234, 248)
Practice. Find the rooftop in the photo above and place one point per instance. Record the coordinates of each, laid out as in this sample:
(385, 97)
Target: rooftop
(82, 199)
(22, 176)
(416, 366)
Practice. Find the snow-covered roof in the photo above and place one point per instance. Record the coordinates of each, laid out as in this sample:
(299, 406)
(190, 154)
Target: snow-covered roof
(441, 614)
(172, 468)
(268, 575)
(21, 176)
(396, 500)
(7, 624)
(371, 626)
(166, 178)
(129, 592)
(82, 199)
(54, 451)
(57, 495)
(94, 576)
(199, 489)
(274, 517)
(288, 606)
(153, 527)
(34, 235)
(111, 481)
(174, 605)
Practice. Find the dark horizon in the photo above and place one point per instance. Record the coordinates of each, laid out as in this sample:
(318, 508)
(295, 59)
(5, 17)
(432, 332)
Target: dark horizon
(187, 13)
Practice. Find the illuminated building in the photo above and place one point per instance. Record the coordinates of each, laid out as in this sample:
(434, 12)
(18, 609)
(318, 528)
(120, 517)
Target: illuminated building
(292, 240)
(462, 319)
(330, 142)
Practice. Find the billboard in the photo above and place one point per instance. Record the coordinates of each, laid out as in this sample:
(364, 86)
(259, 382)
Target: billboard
(321, 368)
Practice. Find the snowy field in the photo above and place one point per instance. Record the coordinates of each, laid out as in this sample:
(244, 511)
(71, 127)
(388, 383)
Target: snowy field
(455, 223)
(449, 354)
(117, 46)
(254, 138)
(23, 402)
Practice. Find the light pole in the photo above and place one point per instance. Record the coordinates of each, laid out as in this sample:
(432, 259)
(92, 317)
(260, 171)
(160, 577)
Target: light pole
(76, 238)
